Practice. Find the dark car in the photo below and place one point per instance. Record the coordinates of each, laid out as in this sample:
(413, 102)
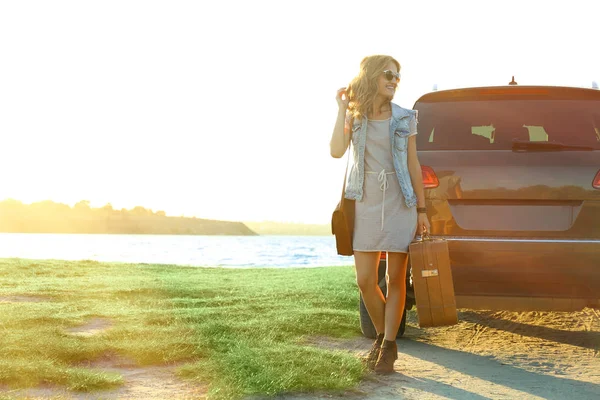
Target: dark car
(512, 177)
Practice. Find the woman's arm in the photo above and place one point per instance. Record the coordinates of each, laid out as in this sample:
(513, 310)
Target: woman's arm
(340, 137)
(416, 177)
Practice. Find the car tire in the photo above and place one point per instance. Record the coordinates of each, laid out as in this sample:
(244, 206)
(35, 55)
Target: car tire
(366, 325)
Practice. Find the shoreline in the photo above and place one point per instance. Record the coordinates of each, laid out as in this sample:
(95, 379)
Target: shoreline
(190, 250)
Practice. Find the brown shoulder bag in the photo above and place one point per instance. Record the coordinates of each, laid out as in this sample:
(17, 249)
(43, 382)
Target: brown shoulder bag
(342, 221)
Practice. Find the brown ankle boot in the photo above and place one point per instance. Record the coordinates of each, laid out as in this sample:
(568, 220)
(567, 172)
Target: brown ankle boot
(387, 356)
(371, 358)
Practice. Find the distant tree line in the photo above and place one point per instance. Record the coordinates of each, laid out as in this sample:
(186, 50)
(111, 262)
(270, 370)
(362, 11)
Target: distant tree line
(50, 217)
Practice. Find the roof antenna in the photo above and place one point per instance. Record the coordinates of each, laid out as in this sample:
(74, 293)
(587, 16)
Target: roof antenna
(594, 85)
(513, 81)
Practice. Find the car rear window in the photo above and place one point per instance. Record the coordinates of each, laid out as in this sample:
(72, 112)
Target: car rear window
(494, 124)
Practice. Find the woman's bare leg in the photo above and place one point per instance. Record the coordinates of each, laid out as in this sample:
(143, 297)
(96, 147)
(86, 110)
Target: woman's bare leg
(396, 293)
(367, 264)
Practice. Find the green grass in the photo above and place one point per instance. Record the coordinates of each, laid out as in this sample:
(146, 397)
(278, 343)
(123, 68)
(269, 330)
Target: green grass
(240, 330)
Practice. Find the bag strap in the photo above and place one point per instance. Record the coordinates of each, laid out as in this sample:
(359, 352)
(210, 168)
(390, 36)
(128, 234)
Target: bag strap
(347, 163)
(345, 177)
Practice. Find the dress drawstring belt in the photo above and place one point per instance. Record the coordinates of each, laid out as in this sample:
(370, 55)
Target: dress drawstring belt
(383, 185)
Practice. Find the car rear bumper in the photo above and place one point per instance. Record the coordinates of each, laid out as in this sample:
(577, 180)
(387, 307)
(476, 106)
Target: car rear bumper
(536, 274)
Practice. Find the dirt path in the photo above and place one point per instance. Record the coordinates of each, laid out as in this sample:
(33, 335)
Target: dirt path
(147, 383)
(488, 355)
(152, 383)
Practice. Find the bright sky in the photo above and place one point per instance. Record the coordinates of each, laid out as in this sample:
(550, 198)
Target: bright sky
(224, 109)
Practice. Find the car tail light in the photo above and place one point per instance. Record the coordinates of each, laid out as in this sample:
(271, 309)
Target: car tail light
(383, 255)
(596, 183)
(430, 180)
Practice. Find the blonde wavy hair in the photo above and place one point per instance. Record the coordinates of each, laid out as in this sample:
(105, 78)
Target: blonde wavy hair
(362, 89)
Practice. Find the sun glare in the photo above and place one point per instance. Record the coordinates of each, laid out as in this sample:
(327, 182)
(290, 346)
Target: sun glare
(198, 111)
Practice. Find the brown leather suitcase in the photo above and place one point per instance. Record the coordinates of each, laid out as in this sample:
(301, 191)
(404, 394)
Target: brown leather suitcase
(432, 282)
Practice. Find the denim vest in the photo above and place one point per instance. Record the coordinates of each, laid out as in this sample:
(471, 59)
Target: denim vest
(399, 131)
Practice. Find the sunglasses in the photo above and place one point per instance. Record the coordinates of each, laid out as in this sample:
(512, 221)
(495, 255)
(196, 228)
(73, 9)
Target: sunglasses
(389, 75)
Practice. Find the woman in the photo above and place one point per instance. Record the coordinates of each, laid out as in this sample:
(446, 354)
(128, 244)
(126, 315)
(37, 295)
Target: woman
(385, 179)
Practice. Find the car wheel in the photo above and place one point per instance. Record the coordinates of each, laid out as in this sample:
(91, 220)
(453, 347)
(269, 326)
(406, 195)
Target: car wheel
(366, 325)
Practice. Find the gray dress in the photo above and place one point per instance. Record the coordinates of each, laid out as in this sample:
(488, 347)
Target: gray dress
(382, 222)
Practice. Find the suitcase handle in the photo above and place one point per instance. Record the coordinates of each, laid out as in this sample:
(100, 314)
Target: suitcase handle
(424, 236)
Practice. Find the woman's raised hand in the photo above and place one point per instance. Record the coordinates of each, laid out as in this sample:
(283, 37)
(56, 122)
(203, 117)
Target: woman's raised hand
(342, 99)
